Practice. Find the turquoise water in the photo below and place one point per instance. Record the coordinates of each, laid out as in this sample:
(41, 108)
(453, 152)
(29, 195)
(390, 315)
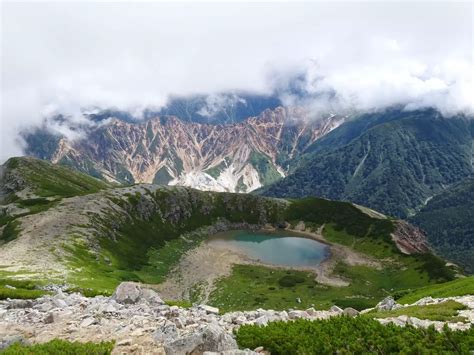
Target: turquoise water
(273, 248)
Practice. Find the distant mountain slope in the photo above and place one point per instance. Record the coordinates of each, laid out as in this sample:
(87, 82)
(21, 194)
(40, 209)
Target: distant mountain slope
(392, 162)
(166, 150)
(448, 219)
(27, 178)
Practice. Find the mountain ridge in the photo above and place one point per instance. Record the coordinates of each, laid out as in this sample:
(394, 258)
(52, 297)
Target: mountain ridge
(236, 157)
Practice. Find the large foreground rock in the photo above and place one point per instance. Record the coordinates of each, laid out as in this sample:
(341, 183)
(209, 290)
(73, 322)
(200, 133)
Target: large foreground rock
(129, 293)
(211, 338)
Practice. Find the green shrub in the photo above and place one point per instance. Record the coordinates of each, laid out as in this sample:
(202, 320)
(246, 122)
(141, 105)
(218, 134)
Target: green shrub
(344, 335)
(58, 346)
(290, 280)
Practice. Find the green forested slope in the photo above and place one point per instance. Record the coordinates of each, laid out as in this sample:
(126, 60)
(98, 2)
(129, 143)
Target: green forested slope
(448, 219)
(392, 162)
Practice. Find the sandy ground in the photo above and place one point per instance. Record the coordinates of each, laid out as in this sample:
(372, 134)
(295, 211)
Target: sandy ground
(202, 266)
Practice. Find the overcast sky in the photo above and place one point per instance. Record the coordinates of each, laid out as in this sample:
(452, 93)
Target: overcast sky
(61, 57)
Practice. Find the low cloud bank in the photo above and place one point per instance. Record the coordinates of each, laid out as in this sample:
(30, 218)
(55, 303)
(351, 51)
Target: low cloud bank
(343, 57)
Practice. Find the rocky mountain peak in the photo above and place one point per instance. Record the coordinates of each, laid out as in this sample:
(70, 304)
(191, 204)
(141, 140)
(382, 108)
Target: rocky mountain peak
(237, 157)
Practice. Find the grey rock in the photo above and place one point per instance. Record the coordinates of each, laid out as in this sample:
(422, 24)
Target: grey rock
(59, 303)
(167, 332)
(211, 338)
(13, 304)
(297, 314)
(387, 304)
(9, 340)
(351, 312)
(127, 292)
(151, 297)
(87, 322)
(336, 309)
(209, 309)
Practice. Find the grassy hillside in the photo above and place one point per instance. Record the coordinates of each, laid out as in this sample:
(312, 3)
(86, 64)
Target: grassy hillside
(44, 179)
(459, 287)
(448, 219)
(391, 162)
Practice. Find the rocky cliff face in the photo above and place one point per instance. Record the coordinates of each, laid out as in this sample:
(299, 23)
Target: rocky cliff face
(166, 150)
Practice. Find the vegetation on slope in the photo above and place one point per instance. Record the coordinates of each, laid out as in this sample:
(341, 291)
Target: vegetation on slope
(155, 228)
(250, 286)
(444, 311)
(58, 346)
(46, 179)
(361, 335)
(459, 287)
(19, 289)
(448, 219)
(391, 165)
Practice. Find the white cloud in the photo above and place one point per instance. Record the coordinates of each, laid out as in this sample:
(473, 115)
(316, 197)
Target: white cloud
(59, 57)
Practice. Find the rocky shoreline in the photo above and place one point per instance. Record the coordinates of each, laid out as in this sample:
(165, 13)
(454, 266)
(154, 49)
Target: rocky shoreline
(141, 323)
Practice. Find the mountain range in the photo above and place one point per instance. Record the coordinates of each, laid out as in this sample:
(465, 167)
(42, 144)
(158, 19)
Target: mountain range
(394, 161)
(167, 150)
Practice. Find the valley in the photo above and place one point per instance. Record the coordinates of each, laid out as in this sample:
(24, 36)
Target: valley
(153, 234)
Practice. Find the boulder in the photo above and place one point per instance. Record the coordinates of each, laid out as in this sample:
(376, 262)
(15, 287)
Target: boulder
(209, 309)
(387, 304)
(211, 338)
(129, 293)
(336, 309)
(351, 312)
(13, 304)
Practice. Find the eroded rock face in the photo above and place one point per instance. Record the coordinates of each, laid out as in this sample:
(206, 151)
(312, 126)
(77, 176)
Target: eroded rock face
(169, 151)
(410, 239)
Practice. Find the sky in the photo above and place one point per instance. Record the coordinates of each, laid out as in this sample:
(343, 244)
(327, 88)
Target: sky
(63, 57)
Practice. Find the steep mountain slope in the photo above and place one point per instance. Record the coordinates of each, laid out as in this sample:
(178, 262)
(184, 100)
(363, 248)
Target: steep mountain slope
(166, 150)
(392, 162)
(96, 240)
(448, 219)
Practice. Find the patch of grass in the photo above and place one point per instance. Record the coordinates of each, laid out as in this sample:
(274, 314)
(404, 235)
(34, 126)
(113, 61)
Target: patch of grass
(459, 287)
(250, 287)
(445, 311)
(58, 346)
(376, 247)
(23, 289)
(180, 303)
(48, 179)
(10, 232)
(360, 335)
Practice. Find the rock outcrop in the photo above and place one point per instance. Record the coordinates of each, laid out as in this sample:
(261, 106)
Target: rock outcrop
(410, 239)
